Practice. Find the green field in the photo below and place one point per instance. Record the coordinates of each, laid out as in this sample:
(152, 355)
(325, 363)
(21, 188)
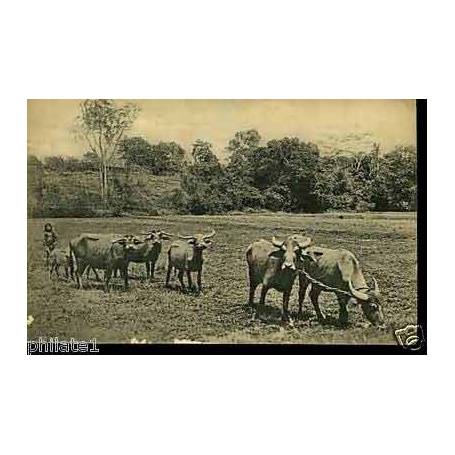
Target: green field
(385, 244)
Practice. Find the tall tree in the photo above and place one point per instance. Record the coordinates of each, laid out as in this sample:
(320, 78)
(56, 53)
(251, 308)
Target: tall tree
(136, 151)
(240, 148)
(102, 123)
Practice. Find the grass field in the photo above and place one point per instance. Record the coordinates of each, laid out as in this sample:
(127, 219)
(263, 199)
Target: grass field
(384, 243)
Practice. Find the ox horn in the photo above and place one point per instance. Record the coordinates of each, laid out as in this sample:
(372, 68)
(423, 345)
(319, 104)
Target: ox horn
(276, 242)
(358, 294)
(165, 233)
(209, 235)
(185, 237)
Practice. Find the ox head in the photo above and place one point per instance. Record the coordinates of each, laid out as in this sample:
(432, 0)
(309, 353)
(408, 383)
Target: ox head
(370, 300)
(293, 250)
(130, 243)
(199, 242)
(156, 237)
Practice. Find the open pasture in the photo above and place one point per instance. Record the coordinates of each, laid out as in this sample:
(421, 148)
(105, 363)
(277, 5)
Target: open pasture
(385, 244)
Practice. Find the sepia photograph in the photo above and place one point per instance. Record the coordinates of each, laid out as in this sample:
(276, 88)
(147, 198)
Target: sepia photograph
(225, 225)
(234, 231)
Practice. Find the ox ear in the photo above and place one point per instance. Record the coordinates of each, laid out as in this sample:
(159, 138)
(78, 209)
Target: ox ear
(121, 241)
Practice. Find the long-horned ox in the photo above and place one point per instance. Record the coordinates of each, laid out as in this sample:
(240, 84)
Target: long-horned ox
(103, 251)
(339, 271)
(185, 256)
(275, 265)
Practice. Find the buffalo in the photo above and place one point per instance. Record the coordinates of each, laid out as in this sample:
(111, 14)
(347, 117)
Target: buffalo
(106, 251)
(149, 251)
(185, 256)
(58, 258)
(339, 271)
(275, 265)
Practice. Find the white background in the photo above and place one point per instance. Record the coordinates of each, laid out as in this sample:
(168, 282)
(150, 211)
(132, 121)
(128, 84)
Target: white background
(229, 49)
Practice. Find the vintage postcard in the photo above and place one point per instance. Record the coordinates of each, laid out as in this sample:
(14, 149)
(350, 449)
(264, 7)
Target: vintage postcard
(204, 226)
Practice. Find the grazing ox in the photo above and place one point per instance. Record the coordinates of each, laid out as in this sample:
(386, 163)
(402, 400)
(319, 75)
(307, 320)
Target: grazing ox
(186, 256)
(275, 265)
(339, 271)
(59, 257)
(103, 251)
(149, 251)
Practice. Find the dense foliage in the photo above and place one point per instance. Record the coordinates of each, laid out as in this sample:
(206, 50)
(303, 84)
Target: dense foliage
(282, 175)
(291, 175)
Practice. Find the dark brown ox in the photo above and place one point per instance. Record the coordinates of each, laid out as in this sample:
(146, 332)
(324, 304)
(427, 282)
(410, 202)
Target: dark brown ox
(149, 251)
(103, 251)
(339, 271)
(185, 256)
(275, 265)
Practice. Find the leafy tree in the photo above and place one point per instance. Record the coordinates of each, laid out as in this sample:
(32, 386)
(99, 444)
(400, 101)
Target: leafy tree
(334, 183)
(102, 123)
(205, 162)
(167, 158)
(288, 165)
(241, 147)
(162, 158)
(395, 185)
(136, 151)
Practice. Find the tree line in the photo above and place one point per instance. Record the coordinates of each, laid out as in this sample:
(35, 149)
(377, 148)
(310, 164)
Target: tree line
(291, 175)
(284, 174)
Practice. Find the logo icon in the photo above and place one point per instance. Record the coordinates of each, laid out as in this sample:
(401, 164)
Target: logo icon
(410, 337)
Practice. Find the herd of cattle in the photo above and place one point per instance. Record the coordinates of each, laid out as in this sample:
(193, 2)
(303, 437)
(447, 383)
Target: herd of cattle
(274, 264)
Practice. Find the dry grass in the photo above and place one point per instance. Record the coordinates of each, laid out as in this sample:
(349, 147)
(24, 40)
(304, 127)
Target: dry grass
(384, 243)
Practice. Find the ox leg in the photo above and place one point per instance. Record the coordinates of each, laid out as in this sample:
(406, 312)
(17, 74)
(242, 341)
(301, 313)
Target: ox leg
(152, 271)
(285, 315)
(253, 287)
(124, 272)
(303, 285)
(97, 277)
(314, 296)
(181, 280)
(261, 303)
(147, 270)
(190, 281)
(343, 315)
(57, 268)
(80, 269)
(51, 270)
(199, 281)
(67, 275)
(107, 278)
(168, 275)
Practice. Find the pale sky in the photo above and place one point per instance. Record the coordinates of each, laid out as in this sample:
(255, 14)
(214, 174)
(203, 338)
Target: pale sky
(345, 124)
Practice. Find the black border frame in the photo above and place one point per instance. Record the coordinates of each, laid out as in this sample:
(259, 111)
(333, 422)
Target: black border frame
(291, 349)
